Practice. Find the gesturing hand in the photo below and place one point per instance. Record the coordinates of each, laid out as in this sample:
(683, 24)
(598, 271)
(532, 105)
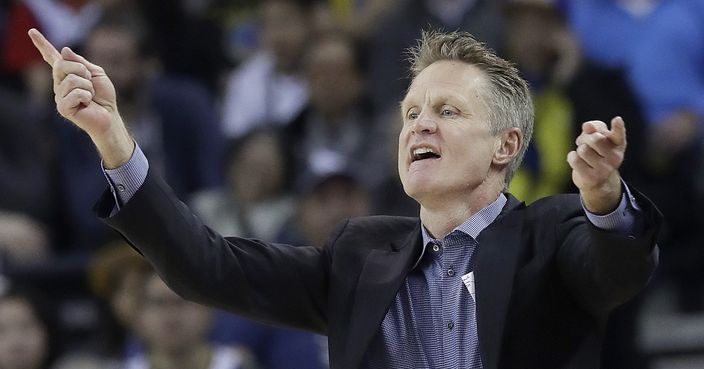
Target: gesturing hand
(85, 95)
(595, 163)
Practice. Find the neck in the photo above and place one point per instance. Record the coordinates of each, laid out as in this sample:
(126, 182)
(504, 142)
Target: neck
(440, 217)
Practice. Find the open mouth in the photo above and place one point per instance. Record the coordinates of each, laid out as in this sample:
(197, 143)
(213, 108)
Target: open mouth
(423, 153)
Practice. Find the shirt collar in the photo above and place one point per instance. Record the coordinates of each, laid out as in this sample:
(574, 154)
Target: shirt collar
(472, 226)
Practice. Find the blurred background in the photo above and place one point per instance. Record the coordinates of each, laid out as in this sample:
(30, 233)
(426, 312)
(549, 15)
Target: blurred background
(276, 119)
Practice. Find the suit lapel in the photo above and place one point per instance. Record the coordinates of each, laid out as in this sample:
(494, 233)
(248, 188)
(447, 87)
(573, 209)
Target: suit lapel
(379, 281)
(499, 247)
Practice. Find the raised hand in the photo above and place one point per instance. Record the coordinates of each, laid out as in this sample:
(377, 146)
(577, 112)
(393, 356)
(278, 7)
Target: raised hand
(85, 95)
(595, 163)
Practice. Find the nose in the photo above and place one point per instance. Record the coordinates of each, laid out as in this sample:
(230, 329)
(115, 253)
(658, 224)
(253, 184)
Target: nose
(424, 124)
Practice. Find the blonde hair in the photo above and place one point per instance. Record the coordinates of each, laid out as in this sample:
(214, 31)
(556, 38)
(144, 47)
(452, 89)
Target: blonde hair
(508, 96)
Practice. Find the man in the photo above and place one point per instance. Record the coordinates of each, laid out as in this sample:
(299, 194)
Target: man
(388, 292)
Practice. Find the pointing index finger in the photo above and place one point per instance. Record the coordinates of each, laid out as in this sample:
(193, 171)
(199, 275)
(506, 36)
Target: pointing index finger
(48, 51)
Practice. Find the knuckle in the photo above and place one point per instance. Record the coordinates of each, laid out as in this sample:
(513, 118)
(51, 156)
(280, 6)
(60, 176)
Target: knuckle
(582, 149)
(71, 79)
(62, 108)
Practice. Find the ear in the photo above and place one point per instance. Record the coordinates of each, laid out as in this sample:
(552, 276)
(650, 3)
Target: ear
(507, 145)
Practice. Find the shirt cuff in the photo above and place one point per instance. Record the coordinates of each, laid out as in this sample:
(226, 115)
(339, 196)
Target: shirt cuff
(125, 180)
(623, 220)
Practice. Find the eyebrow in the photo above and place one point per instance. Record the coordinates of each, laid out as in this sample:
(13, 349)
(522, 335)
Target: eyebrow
(450, 99)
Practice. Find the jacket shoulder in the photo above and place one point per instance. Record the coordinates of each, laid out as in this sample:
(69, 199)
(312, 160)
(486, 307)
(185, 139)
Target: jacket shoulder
(381, 227)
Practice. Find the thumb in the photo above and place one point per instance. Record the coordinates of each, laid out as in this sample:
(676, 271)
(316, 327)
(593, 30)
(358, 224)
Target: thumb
(71, 55)
(617, 134)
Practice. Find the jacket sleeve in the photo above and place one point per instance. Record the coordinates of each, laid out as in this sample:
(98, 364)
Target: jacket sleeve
(605, 269)
(273, 283)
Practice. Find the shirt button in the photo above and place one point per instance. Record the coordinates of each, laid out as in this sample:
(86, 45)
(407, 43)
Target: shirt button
(436, 248)
(450, 272)
(450, 324)
(120, 187)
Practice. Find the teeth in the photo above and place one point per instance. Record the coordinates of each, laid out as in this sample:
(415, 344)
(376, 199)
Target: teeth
(422, 150)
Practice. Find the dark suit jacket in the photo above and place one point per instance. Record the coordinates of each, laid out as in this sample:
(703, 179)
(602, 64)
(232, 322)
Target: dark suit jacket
(545, 278)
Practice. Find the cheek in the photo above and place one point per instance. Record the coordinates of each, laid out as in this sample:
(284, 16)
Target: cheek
(403, 137)
(401, 164)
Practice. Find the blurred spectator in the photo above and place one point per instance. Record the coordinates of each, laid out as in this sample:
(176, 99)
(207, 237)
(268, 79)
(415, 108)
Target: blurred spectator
(273, 347)
(388, 196)
(64, 22)
(27, 336)
(115, 273)
(118, 274)
(239, 23)
(156, 328)
(326, 201)
(173, 120)
(23, 241)
(25, 158)
(538, 41)
(668, 75)
(337, 130)
(187, 40)
(268, 88)
(255, 201)
(402, 26)
(354, 17)
(25, 186)
(82, 361)
(174, 332)
(607, 30)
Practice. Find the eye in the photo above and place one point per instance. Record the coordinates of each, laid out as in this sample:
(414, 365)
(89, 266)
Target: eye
(411, 115)
(448, 112)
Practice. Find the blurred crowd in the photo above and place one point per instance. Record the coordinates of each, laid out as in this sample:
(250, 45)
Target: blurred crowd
(277, 119)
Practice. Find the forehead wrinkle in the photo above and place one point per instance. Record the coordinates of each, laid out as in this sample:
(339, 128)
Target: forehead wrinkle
(458, 89)
(452, 94)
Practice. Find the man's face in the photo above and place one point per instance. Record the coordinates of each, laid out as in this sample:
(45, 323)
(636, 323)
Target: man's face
(117, 52)
(284, 32)
(445, 146)
(335, 82)
(23, 340)
(168, 322)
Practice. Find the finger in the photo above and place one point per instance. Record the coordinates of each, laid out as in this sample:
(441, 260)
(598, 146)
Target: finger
(72, 82)
(591, 157)
(594, 126)
(48, 51)
(69, 54)
(63, 68)
(69, 105)
(597, 141)
(578, 164)
(582, 173)
(617, 134)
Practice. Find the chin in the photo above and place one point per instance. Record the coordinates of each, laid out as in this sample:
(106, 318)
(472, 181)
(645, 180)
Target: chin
(418, 188)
